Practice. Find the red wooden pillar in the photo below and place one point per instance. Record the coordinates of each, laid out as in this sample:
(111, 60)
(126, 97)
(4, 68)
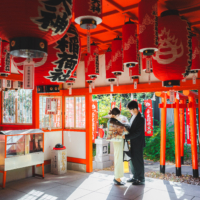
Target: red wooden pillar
(88, 108)
(182, 133)
(163, 134)
(193, 137)
(177, 139)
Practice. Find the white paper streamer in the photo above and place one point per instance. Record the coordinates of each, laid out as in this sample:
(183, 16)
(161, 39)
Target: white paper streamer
(194, 78)
(135, 85)
(90, 88)
(111, 87)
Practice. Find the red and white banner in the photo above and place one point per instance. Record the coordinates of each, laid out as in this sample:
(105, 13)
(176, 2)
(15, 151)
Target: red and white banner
(94, 120)
(28, 76)
(51, 106)
(120, 106)
(188, 130)
(113, 104)
(148, 115)
(140, 107)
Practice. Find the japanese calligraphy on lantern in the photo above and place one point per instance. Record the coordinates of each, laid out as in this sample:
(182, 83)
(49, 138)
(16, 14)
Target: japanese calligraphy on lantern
(188, 129)
(54, 15)
(28, 75)
(95, 6)
(8, 83)
(68, 56)
(94, 120)
(148, 114)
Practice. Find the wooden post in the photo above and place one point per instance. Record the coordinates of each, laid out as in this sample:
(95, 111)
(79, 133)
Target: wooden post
(88, 108)
(163, 135)
(182, 133)
(177, 139)
(193, 137)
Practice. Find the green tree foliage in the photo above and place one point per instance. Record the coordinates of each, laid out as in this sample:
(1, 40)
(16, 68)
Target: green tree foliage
(152, 149)
(104, 102)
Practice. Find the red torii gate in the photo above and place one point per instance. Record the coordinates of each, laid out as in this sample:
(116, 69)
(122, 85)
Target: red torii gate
(178, 129)
(192, 108)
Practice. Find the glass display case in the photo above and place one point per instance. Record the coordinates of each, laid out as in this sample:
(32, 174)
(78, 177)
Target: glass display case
(21, 148)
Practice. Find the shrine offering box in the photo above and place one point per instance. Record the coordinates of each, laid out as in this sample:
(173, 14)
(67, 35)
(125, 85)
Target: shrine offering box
(21, 148)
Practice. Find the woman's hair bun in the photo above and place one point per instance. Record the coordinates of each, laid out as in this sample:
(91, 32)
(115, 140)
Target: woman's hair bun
(114, 111)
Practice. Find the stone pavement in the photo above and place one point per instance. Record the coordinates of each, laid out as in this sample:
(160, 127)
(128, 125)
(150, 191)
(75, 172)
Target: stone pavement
(95, 186)
(155, 166)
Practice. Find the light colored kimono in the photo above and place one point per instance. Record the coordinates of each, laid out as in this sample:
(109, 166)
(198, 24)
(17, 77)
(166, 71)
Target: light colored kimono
(118, 153)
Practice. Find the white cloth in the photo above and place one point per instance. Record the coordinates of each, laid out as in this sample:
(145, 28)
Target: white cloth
(118, 159)
(118, 153)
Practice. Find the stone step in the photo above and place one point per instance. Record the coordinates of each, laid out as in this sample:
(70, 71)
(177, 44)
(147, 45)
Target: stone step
(101, 165)
(102, 158)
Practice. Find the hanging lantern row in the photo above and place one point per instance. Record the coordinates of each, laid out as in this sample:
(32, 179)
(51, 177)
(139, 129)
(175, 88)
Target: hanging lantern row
(31, 26)
(172, 61)
(8, 84)
(60, 64)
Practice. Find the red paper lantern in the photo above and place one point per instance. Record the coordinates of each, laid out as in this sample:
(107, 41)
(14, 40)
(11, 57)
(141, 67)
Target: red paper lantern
(134, 72)
(31, 25)
(88, 79)
(117, 65)
(148, 26)
(130, 44)
(172, 61)
(146, 60)
(5, 65)
(88, 12)
(93, 61)
(108, 64)
(61, 62)
(86, 61)
(195, 55)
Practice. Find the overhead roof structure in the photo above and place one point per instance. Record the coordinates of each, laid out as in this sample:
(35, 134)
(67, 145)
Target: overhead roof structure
(115, 12)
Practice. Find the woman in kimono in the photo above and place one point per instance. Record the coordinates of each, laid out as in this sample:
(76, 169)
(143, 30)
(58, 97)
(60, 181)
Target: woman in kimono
(118, 144)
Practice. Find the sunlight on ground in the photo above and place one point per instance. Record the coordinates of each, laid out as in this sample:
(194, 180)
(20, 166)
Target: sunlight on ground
(103, 184)
(34, 194)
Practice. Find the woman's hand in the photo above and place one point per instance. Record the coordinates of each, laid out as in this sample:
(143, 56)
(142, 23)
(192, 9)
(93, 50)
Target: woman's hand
(123, 136)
